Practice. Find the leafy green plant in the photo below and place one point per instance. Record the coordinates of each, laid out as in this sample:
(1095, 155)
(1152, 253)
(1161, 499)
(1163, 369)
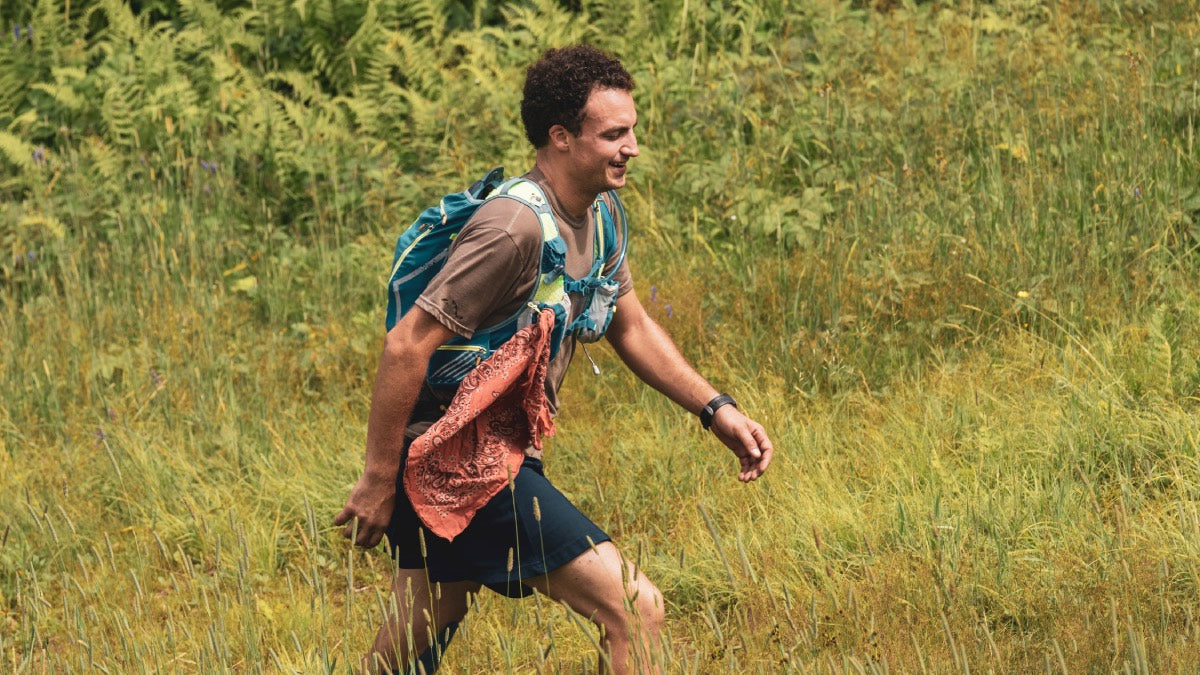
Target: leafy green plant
(946, 252)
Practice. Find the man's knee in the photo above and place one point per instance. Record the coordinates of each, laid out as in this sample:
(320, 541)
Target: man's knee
(640, 611)
(648, 607)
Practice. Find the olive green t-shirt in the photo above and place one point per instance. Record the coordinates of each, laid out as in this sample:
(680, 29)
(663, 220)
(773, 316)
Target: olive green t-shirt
(492, 268)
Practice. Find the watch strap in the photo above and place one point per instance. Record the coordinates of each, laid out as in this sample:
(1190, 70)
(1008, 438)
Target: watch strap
(706, 415)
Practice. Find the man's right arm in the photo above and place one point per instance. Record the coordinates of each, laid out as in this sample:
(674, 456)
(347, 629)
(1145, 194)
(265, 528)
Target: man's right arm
(402, 366)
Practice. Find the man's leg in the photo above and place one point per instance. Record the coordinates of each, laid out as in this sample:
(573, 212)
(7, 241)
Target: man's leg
(419, 613)
(626, 606)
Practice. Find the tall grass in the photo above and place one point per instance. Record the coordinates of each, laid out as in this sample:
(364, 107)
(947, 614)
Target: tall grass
(946, 253)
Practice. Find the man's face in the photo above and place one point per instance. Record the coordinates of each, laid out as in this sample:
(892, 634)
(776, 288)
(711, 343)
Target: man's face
(606, 141)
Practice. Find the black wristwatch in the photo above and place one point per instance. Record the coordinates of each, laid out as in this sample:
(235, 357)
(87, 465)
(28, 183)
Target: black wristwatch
(706, 415)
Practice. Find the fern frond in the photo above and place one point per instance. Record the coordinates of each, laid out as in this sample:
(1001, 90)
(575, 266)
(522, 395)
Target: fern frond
(63, 90)
(302, 86)
(297, 115)
(106, 161)
(120, 23)
(363, 111)
(618, 23)
(25, 119)
(16, 150)
(201, 13)
(47, 225)
(364, 49)
(425, 18)
(118, 111)
(223, 29)
(543, 23)
(411, 59)
(176, 96)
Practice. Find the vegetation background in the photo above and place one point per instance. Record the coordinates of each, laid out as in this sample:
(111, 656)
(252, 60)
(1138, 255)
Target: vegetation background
(946, 251)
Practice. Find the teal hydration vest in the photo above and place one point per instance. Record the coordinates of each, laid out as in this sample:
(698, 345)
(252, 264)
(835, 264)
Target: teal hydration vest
(421, 252)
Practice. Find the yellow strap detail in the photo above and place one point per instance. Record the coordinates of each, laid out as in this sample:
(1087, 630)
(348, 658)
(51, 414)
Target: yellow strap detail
(530, 193)
(402, 256)
(551, 293)
(527, 191)
(549, 228)
(598, 223)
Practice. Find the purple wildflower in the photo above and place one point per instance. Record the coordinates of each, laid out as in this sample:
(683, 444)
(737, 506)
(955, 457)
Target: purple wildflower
(16, 31)
(100, 435)
(653, 292)
(31, 256)
(155, 377)
(1137, 192)
(204, 164)
(670, 312)
(39, 155)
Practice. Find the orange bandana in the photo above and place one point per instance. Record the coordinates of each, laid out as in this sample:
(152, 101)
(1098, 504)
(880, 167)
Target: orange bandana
(468, 455)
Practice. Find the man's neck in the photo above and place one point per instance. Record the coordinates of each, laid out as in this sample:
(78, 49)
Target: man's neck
(571, 198)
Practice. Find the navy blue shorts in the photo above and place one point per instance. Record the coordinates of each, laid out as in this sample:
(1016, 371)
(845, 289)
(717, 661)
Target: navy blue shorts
(506, 523)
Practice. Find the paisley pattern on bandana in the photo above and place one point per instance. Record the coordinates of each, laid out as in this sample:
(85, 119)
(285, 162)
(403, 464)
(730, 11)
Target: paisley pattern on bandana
(468, 456)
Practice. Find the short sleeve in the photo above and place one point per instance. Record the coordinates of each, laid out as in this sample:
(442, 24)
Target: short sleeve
(490, 270)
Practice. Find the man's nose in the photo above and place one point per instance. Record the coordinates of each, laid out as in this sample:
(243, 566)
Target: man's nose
(630, 149)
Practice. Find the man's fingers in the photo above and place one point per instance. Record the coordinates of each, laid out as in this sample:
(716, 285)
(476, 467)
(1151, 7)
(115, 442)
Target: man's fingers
(342, 516)
(755, 466)
(765, 446)
(368, 536)
(748, 440)
(768, 451)
(749, 444)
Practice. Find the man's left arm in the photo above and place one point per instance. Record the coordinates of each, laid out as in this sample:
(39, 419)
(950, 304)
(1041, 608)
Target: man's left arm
(651, 354)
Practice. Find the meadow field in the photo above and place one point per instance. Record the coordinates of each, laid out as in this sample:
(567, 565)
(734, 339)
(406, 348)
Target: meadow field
(948, 253)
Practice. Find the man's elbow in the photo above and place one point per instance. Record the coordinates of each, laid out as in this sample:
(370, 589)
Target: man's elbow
(399, 349)
(631, 332)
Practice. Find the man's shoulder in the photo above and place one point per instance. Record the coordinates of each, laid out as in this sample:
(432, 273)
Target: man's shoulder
(508, 215)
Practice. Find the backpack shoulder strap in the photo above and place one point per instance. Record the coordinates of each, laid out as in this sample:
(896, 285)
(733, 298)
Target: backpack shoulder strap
(611, 221)
(548, 287)
(530, 194)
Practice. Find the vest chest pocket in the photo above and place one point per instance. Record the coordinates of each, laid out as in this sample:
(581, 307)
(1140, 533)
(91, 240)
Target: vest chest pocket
(450, 363)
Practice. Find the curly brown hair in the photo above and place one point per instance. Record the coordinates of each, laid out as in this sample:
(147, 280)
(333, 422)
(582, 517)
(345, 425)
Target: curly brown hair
(558, 85)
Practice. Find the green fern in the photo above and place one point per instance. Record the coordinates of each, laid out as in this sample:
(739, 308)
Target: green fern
(121, 25)
(424, 18)
(543, 23)
(101, 158)
(15, 150)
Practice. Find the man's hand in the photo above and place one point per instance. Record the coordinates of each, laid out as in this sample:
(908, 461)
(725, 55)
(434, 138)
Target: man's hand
(370, 507)
(746, 438)
(651, 355)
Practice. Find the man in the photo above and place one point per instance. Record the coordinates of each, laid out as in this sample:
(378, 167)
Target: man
(579, 114)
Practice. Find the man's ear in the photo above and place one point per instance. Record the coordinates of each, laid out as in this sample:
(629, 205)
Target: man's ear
(560, 138)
